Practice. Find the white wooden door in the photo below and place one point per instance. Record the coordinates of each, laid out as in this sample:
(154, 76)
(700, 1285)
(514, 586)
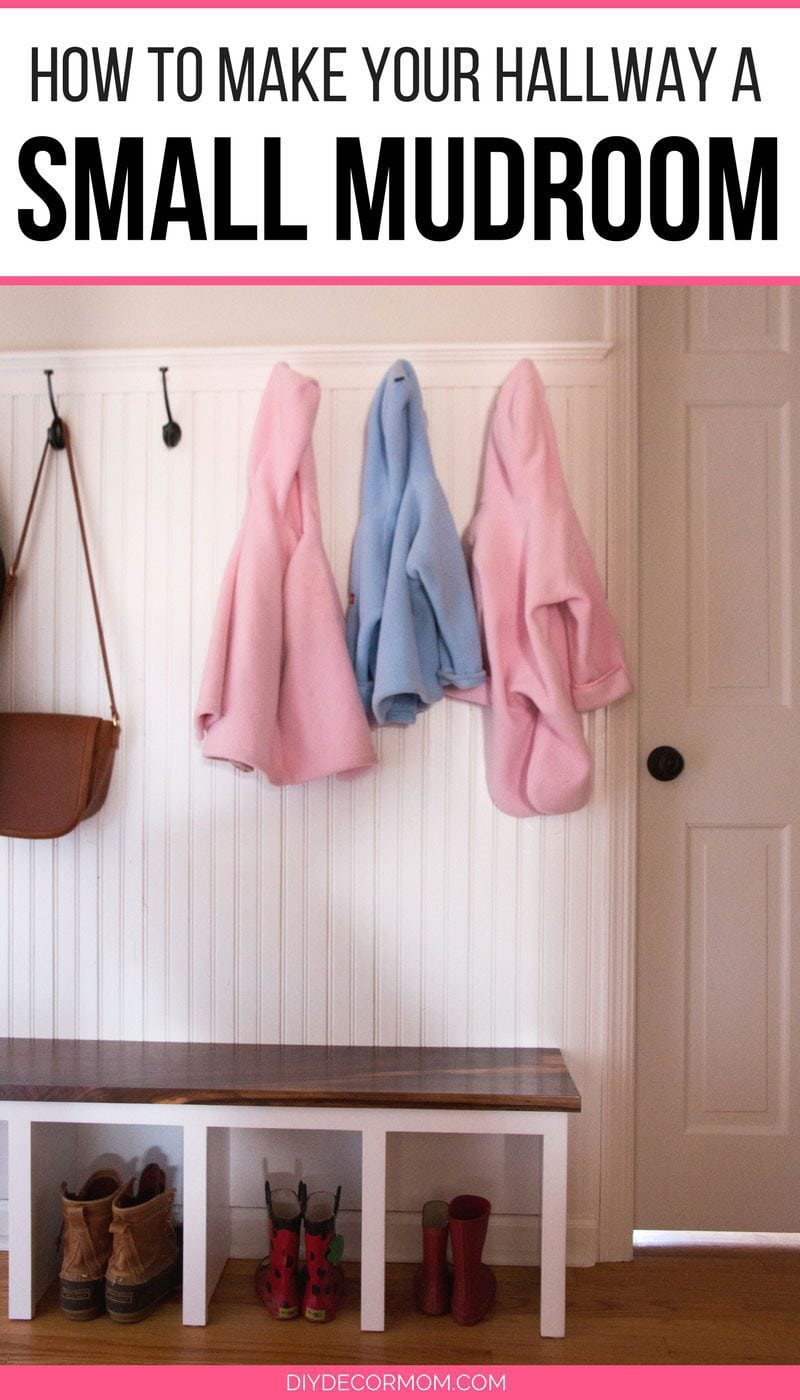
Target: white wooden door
(718, 1074)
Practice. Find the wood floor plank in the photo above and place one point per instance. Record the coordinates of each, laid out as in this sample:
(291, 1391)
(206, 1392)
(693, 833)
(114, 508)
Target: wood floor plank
(687, 1309)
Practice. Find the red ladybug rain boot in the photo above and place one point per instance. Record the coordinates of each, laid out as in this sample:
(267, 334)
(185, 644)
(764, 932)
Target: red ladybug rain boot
(278, 1278)
(324, 1277)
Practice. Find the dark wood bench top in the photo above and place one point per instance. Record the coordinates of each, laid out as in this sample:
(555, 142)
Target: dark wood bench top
(112, 1071)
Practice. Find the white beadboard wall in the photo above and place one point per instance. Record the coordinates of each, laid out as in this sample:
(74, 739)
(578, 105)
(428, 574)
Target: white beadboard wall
(204, 904)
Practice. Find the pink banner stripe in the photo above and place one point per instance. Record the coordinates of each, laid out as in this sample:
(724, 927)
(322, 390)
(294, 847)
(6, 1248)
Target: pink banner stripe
(545, 1382)
(408, 5)
(599, 281)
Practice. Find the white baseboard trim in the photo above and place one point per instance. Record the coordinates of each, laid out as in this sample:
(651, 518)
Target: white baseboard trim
(512, 1239)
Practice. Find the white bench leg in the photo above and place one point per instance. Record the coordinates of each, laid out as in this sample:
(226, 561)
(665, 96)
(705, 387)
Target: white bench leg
(195, 1210)
(554, 1225)
(21, 1301)
(218, 1196)
(206, 1217)
(373, 1229)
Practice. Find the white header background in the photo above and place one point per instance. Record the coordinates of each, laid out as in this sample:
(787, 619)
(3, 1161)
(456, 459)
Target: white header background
(309, 130)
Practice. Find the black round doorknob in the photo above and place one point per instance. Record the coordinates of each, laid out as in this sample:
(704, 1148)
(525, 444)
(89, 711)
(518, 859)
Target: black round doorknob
(665, 763)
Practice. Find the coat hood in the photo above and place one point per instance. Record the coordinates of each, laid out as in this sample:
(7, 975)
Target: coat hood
(522, 460)
(397, 442)
(280, 459)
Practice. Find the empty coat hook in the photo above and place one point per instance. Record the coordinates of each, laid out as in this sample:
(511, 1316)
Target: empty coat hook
(170, 432)
(55, 433)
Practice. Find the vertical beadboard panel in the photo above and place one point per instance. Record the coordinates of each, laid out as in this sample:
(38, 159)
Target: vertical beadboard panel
(214, 494)
(8, 532)
(177, 894)
(133, 639)
(111, 583)
(399, 907)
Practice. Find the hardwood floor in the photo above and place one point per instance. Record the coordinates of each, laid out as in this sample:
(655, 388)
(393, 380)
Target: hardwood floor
(682, 1307)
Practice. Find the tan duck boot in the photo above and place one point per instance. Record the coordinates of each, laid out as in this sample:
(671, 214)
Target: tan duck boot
(87, 1244)
(145, 1263)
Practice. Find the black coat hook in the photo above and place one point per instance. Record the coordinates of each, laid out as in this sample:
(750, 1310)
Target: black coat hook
(55, 433)
(170, 432)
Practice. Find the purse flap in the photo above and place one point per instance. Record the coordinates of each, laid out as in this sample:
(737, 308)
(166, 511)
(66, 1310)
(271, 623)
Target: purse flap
(45, 772)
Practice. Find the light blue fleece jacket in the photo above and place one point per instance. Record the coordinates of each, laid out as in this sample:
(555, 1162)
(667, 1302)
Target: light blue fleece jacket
(411, 625)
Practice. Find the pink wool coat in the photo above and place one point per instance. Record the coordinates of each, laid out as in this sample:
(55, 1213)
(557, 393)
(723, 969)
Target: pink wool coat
(278, 691)
(550, 644)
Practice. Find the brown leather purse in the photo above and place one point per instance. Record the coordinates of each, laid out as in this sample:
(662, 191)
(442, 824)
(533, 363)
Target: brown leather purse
(55, 769)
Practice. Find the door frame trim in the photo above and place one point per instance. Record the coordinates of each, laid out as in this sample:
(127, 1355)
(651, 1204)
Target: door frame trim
(616, 1210)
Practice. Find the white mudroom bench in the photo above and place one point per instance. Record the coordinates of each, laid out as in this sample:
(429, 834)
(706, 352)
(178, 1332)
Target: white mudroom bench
(50, 1087)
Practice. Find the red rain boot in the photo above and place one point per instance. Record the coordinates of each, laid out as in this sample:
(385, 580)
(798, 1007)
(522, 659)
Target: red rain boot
(324, 1278)
(473, 1282)
(278, 1278)
(433, 1282)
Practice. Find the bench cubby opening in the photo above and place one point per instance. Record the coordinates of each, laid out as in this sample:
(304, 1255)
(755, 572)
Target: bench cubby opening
(285, 1156)
(53, 1145)
(507, 1170)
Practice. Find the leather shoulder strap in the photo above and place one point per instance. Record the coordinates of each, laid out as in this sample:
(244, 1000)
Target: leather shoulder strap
(13, 572)
(11, 580)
